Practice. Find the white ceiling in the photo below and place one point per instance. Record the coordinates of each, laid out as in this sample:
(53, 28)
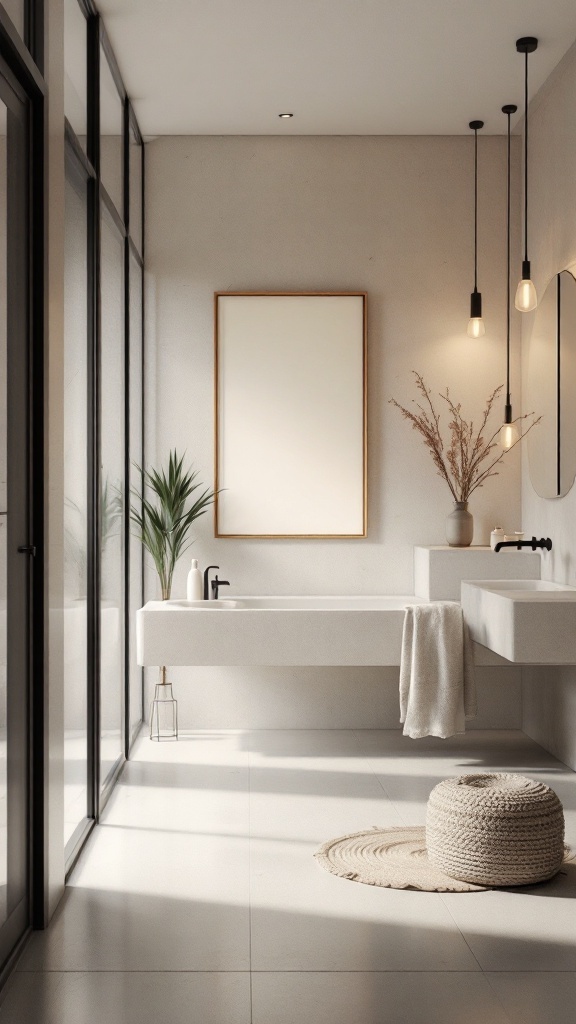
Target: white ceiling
(344, 67)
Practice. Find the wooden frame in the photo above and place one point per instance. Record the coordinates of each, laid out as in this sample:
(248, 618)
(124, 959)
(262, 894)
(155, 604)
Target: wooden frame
(262, 396)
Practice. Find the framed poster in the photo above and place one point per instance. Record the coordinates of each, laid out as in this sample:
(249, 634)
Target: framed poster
(290, 414)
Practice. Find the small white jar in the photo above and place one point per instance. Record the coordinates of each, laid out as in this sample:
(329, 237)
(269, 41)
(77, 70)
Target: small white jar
(496, 536)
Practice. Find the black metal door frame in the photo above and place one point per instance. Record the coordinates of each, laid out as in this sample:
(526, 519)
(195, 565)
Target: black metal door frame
(21, 78)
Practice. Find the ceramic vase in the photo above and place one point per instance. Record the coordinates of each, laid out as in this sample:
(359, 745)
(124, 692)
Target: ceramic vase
(460, 526)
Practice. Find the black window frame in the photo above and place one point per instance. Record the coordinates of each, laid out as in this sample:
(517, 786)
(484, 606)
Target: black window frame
(23, 59)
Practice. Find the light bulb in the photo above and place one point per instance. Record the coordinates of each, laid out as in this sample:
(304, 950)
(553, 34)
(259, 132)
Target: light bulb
(476, 328)
(526, 298)
(508, 435)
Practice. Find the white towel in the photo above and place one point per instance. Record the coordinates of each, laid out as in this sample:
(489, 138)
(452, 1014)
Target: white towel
(437, 685)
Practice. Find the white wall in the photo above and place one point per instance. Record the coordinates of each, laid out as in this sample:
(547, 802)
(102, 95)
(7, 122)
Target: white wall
(389, 215)
(550, 694)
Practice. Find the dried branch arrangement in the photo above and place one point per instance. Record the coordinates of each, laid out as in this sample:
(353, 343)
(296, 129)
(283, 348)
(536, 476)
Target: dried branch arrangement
(469, 457)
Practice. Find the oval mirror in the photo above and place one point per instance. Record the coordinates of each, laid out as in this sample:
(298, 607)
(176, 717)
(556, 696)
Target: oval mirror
(552, 389)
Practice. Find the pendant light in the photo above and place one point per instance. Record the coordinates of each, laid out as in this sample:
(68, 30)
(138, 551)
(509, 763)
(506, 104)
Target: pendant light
(508, 431)
(476, 328)
(526, 298)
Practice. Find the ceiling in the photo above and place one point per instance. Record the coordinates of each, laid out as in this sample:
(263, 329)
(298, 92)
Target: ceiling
(343, 67)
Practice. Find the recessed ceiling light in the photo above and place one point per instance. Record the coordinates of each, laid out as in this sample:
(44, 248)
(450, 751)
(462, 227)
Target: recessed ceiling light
(285, 115)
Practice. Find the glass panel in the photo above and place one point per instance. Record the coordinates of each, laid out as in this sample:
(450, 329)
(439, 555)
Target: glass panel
(3, 525)
(75, 75)
(112, 496)
(15, 11)
(135, 481)
(135, 191)
(75, 508)
(14, 567)
(111, 135)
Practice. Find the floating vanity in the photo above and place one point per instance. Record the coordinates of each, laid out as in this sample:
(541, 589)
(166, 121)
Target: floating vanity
(273, 631)
(528, 622)
(308, 631)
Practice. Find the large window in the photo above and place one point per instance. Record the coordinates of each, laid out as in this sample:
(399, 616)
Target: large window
(136, 565)
(75, 71)
(136, 185)
(112, 497)
(111, 132)
(103, 419)
(76, 779)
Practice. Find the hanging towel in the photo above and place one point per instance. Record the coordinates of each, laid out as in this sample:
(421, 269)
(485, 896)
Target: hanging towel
(437, 686)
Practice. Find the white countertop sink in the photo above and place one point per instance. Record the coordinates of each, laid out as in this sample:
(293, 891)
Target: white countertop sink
(273, 631)
(530, 622)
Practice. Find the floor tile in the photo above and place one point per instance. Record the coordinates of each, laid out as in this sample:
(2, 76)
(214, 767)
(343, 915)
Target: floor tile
(531, 929)
(119, 998)
(164, 881)
(374, 998)
(528, 998)
(180, 797)
(305, 789)
(304, 918)
(307, 798)
(100, 930)
(359, 803)
(477, 748)
(192, 859)
(202, 746)
(315, 743)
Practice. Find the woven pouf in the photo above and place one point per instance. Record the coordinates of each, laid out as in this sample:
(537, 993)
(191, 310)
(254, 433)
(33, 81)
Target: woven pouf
(495, 829)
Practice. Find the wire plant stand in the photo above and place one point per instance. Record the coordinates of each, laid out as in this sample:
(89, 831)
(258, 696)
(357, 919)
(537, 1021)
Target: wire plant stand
(163, 711)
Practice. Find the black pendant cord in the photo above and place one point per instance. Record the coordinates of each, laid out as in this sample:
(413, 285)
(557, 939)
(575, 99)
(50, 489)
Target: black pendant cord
(476, 298)
(526, 45)
(526, 156)
(509, 109)
(508, 404)
(475, 209)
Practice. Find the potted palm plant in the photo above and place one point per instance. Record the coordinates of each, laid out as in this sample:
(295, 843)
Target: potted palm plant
(162, 518)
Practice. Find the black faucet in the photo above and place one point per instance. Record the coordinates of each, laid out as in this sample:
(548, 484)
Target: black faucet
(206, 580)
(216, 584)
(544, 542)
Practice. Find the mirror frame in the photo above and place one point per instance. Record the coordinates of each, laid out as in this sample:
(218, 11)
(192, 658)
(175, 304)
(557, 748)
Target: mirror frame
(359, 342)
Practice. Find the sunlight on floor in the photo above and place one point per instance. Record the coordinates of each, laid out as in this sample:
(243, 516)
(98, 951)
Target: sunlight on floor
(203, 865)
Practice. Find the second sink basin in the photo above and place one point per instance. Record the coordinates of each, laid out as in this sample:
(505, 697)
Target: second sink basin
(530, 622)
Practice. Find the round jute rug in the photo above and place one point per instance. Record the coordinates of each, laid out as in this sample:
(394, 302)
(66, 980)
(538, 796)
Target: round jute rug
(394, 858)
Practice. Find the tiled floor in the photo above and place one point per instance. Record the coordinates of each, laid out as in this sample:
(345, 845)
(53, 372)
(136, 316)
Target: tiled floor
(198, 899)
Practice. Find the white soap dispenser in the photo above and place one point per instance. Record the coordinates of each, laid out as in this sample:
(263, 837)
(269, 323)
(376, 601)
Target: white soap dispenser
(496, 536)
(194, 583)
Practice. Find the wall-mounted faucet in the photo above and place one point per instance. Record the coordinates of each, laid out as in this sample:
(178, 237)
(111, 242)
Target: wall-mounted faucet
(207, 580)
(544, 542)
(216, 584)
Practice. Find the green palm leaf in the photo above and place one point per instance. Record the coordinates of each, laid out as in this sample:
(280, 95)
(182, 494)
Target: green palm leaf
(160, 517)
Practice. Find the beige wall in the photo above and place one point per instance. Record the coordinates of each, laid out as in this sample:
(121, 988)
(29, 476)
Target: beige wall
(389, 215)
(551, 719)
